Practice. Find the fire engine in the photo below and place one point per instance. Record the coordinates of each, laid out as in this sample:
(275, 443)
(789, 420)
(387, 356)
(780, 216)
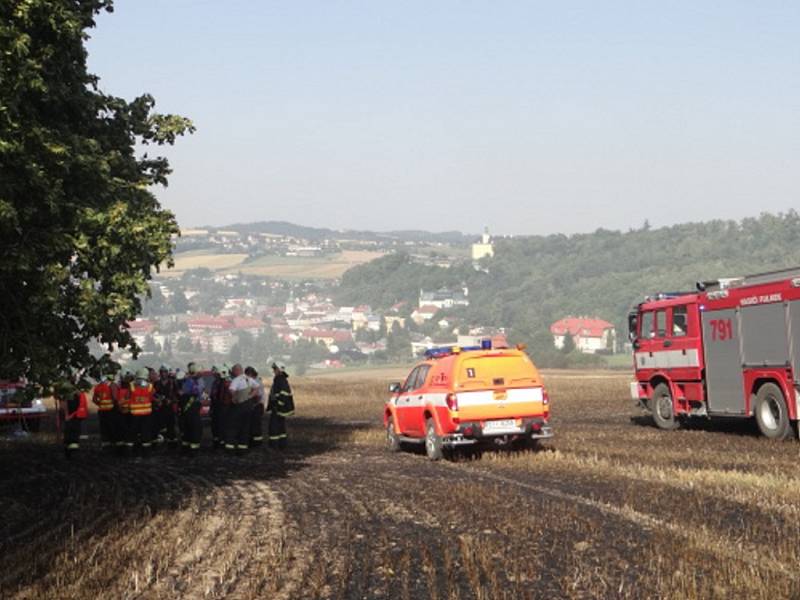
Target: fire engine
(729, 349)
(16, 407)
(466, 397)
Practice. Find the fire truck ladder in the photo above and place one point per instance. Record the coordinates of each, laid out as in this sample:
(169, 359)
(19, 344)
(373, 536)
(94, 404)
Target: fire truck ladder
(756, 278)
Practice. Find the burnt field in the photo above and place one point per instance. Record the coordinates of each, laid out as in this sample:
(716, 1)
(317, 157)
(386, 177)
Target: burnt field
(611, 507)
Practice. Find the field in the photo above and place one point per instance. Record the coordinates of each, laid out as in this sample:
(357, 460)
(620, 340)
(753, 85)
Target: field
(610, 508)
(283, 267)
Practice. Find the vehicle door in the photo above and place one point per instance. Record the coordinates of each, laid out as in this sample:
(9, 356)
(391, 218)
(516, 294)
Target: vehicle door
(649, 346)
(416, 422)
(402, 406)
(682, 342)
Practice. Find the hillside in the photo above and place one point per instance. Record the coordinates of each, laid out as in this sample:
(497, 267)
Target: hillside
(321, 233)
(533, 281)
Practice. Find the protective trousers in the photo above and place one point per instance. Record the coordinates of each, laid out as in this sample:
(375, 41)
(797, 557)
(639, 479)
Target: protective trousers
(141, 431)
(238, 421)
(191, 427)
(277, 430)
(257, 424)
(168, 423)
(72, 436)
(107, 423)
(218, 416)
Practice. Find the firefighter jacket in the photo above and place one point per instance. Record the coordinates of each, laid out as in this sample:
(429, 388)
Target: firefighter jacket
(103, 397)
(281, 401)
(141, 400)
(124, 399)
(75, 405)
(191, 392)
(164, 392)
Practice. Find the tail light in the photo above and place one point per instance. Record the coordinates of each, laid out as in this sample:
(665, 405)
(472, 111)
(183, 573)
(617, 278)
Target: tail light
(545, 398)
(452, 401)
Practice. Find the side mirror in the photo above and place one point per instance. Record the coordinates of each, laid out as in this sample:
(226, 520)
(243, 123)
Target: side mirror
(394, 388)
(636, 344)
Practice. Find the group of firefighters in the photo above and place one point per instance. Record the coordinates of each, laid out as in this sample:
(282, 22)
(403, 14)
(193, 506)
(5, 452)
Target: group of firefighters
(138, 411)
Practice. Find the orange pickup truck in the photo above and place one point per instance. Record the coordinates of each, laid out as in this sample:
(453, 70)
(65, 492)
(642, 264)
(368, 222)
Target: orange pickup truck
(468, 397)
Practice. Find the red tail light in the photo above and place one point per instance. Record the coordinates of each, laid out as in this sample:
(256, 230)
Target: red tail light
(452, 401)
(545, 398)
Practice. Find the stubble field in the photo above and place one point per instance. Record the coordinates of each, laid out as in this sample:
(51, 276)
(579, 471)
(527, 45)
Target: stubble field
(611, 508)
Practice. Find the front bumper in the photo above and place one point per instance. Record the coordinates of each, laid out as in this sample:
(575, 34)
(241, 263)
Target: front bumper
(28, 412)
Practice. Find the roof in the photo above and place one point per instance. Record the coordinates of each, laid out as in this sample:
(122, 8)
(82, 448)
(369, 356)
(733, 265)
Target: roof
(336, 335)
(580, 326)
(140, 325)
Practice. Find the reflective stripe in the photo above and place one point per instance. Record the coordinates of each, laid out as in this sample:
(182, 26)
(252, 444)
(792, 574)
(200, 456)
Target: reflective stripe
(145, 444)
(277, 437)
(241, 446)
(258, 438)
(284, 393)
(72, 446)
(285, 414)
(195, 446)
(230, 447)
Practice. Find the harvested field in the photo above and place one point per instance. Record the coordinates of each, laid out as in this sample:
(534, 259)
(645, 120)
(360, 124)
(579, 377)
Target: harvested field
(611, 507)
(282, 267)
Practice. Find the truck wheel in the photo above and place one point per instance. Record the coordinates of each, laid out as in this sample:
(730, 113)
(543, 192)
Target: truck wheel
(771, 413)
(392, 439)
(433, 442)
(661, 405)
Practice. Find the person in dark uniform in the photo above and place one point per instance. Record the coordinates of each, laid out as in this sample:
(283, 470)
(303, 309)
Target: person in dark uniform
(281, 405)
(190, 401)
(165, 397)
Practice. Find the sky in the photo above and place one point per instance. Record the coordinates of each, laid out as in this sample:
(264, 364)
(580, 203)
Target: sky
(527, 117)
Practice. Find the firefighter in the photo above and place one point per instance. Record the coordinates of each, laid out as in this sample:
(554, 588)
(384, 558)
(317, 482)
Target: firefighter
(165, 397)
(220, 400)
(191, 397)
(281, 405)
(257, 410)
(141, 412)
(238, 422)
(123, 420)
(73, 410)
(104, 397)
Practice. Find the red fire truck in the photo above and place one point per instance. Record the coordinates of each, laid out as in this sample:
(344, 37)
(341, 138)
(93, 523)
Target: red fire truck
(729, 349)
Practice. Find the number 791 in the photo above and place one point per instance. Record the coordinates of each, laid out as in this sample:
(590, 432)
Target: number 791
(721, 330)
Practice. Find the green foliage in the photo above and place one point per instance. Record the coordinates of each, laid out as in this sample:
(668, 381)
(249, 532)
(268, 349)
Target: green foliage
(569, 344)
(534, 281)
(80, 229)
(394, 278)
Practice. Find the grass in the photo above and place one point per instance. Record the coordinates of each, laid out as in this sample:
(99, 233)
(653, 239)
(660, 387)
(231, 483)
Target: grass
(610, 508)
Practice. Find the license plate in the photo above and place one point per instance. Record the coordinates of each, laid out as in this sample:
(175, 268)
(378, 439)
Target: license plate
(500, 425)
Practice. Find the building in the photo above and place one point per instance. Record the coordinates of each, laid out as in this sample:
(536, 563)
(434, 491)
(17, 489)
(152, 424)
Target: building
(424, 313)
(589, 334)
(483, 248)
(444, 298)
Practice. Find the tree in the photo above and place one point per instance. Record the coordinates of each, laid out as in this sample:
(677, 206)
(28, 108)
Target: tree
(178, 303)
(569, 343)
(80, 228)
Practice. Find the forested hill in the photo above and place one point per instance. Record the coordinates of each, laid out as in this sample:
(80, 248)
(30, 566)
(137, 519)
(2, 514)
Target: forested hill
(533, 281)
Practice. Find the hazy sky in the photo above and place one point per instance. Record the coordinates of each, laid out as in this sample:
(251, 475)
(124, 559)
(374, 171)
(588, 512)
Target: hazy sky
(528, 117)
